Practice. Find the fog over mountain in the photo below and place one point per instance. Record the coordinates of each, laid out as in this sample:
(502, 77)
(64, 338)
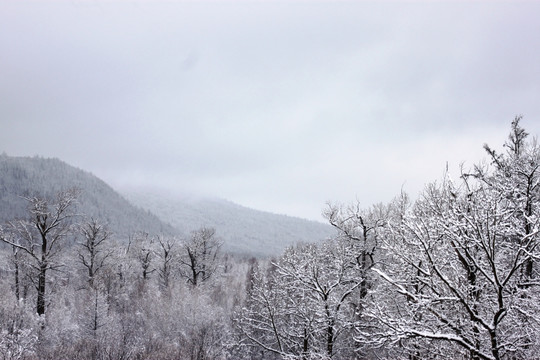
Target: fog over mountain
(241, 229)
(275, 105)
(44, 177)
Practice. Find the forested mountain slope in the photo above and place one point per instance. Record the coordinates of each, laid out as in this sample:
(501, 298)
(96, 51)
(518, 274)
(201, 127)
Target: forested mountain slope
(242, 229)
(37, 176)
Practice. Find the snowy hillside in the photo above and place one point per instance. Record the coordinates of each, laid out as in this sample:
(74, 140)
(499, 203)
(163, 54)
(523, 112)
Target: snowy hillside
(243, 230)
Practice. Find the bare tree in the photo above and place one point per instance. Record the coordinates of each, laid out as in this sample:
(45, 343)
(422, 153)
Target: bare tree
(517, 175)
(455, 276)
(303, 307)
(145, 253)
(200, 255)
(92, 252)
(19, 264)
(361, 228)
(41, 235)
(165, 254)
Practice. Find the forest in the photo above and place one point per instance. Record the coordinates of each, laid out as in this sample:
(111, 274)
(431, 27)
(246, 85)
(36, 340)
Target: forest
(451, 274)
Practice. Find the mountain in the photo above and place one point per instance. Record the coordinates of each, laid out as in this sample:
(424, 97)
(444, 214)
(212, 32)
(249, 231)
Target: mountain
(37, 176)
(243, 230)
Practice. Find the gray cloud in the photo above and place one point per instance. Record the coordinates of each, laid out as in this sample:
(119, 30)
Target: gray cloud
(280, 106)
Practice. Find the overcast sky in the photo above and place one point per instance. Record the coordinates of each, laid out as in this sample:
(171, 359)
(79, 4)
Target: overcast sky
(280, 106)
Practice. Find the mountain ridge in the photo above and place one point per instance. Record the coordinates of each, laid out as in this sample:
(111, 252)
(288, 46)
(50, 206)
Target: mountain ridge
(242, 229)
(44, 177)
(238, 225)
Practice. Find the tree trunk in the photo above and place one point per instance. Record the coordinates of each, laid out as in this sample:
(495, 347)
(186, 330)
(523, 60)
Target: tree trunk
(306, 345)
(41, 289)
(330, 340)
(494, 344)
(17, 283)
(40, 307)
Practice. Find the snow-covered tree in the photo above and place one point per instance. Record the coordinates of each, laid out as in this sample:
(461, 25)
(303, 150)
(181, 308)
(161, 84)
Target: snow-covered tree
(144, 253)
(361, 230)
(41, 234)
(516, 173)
(455, 278)
(166, 254)
(199, 258)
(93, 253)
(266, 322)
(304, 306)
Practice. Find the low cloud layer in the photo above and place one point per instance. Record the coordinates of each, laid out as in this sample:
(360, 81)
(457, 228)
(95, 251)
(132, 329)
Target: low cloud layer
(278, 106)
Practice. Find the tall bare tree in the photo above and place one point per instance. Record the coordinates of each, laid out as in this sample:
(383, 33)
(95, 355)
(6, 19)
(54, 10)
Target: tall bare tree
(40, 235)
(145, 253)
(200, 255)
(92, 252)
(166, 255)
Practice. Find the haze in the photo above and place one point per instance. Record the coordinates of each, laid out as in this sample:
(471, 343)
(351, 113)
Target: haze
(279, 106)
